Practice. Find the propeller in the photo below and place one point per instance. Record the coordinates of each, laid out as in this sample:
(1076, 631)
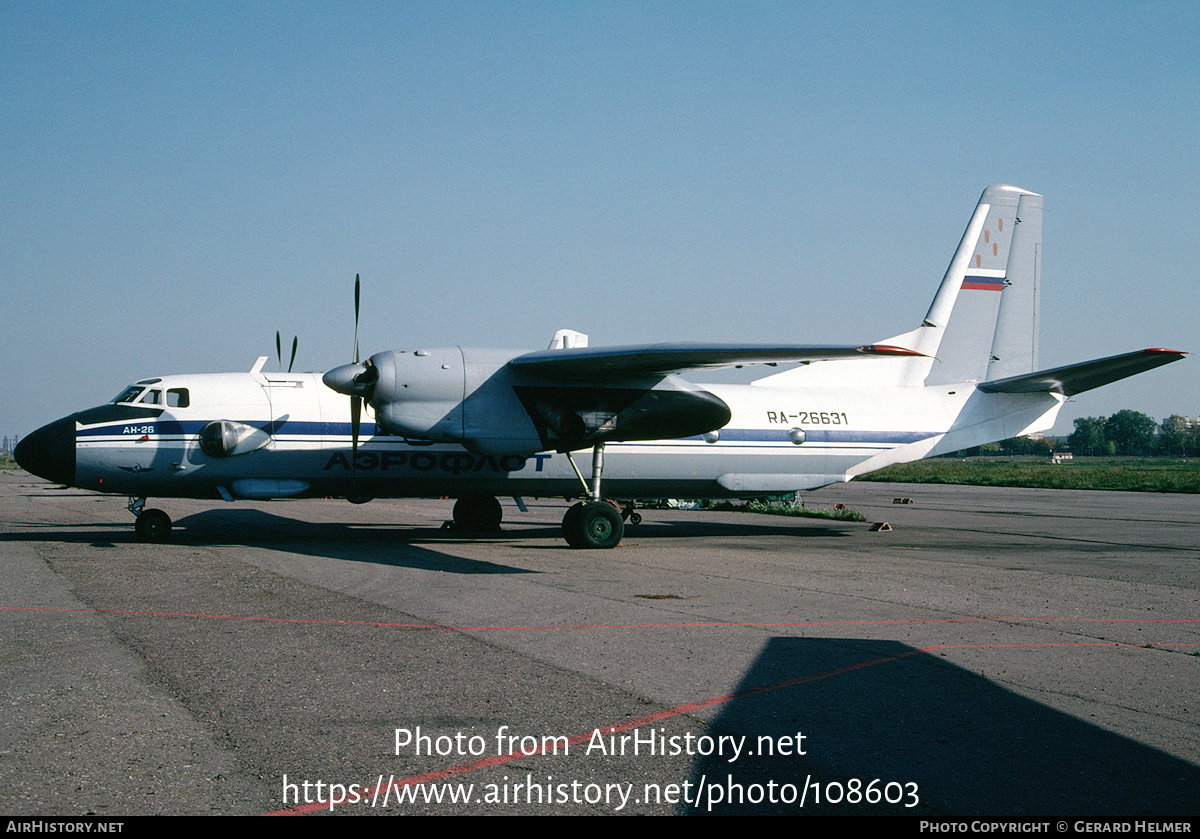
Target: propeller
(279, 351)
(356, 380)
(355, 401)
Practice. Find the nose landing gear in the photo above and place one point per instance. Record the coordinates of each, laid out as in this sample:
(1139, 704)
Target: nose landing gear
(150, 525)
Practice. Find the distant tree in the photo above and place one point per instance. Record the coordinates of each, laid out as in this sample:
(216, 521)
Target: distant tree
(1088, 436)
(1130, 432)
(1172, 436)
(1014, 446)
(1179, 436)
(1026, 446)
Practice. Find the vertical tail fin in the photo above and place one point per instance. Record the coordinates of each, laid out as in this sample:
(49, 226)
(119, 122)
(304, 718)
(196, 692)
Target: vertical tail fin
(982, 324)
(986, 308)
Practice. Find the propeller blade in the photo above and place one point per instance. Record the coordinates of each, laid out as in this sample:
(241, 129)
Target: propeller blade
(295, 345)
(343, 380)
(279, 351)
(356, 290)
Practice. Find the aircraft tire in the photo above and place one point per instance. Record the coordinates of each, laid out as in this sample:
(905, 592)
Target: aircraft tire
(595, 524)
(572, 531)
(152, 526)
(570, 526)
(478, 513)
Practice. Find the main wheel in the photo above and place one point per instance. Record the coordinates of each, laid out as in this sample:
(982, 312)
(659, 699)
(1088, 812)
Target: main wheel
(478, 513)
(594, 524)
(152, 526)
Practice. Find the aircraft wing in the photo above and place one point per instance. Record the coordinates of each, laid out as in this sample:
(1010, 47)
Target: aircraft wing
(1076, 378)
(655, 359)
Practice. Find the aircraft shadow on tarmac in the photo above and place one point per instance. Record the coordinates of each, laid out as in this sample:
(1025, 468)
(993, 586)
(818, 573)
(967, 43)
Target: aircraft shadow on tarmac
(388, 543)
(420, 547)
(254, 526)
(375, 543)
(878, 709)
(383, 544)
(754, 525)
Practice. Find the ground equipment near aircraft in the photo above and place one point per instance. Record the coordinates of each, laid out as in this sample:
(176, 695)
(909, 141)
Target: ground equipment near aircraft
(474, 424)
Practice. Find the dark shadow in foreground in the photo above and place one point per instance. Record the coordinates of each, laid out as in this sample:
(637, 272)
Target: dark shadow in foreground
(886, 726)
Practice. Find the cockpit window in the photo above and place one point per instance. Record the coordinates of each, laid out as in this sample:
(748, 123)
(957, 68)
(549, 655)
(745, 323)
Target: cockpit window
(129, 394)
(176, 397)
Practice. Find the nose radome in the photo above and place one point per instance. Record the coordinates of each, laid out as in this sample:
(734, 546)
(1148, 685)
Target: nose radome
(49, 452)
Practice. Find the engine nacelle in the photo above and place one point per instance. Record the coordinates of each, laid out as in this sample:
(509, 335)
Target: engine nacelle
(419, 393)
(472, 397)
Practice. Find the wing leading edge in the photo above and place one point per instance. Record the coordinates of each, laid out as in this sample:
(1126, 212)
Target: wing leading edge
(1076, 378)
(655, 359)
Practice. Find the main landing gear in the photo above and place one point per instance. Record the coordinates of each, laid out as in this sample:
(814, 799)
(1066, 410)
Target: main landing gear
(594, 523)
(477, 513)
(150, 525)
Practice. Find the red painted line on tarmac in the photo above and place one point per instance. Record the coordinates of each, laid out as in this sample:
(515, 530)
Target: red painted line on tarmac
(684, 625)
(678, 710)
(498, 760)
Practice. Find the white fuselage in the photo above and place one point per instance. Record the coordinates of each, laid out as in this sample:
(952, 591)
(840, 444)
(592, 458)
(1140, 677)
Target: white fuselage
(778, 440)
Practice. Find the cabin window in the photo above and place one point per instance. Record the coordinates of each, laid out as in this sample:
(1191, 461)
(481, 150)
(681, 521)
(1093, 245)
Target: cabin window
(177, 397)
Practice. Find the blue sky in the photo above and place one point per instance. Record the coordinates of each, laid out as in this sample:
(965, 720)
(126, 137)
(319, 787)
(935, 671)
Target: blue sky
(181, 180)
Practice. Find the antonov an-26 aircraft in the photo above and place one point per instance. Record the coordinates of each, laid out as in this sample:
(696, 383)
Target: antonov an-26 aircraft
(474, 424)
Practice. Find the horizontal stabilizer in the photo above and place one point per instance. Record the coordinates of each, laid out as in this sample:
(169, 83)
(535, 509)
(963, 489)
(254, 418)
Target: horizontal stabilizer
(1076, 378)
(660, 359)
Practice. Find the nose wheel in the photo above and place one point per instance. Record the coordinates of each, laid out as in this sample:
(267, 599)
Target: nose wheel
(150, 525)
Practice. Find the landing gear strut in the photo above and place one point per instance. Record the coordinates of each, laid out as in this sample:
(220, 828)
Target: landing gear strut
(150, 525)
(594, 523)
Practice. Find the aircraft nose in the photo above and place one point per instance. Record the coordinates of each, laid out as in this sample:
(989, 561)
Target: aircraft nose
(49, 452)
